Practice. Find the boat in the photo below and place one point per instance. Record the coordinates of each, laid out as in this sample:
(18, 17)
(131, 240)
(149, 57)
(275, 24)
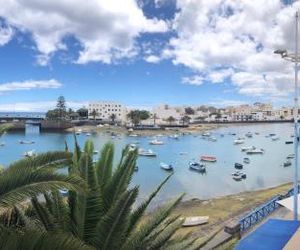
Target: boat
(287, 163)
(291, 156)
(275, 138)
(26, 142)
(156, 142)
(206, 134)
(149, 153)
(243, 149)
(249, 135)
(257, 133)
(133, 135)
(246, 160)
(255, 151)
(195, 221)
(176, 137)
(238, 165)
(208, 158)
(78, 132)
(183, 153)
(136, 168)
(239, 141)
(289, 142)
(214, 139)
(238, 175)
(88, 134)
(165, 166)
(193, 165)
(30, 153)
(272, 134)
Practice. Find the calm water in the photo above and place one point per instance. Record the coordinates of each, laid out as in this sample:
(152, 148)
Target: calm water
(263, 171)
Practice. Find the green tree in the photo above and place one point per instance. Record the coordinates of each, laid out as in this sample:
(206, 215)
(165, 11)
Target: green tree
(185, 120)
(61, 107)
(83, 112)
(94, 113)
(136, 116)
(103, 217)
(154, 117)
(189, 111)
(170, 119)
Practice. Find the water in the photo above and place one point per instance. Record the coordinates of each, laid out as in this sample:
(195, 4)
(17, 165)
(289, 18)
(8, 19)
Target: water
(264, 170)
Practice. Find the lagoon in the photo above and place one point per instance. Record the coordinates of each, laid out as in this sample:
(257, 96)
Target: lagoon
(263, 171)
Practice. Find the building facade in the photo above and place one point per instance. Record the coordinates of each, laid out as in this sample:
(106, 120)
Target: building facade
(107, 111)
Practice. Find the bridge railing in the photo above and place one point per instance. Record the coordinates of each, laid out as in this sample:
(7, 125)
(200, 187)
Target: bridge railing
(263, 211)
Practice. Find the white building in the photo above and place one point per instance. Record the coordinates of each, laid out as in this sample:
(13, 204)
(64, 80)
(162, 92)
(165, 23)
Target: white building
(164, 111)
(104, 111)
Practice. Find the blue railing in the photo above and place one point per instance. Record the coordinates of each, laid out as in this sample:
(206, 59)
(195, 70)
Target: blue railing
(263, 211)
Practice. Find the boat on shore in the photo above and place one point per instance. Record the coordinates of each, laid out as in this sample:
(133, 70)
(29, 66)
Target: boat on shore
(193, 165)
(238, 165)
(26, 142)
(195, 221)
(165, 166)
(246, 160)
(156, 142)
(208, 158)
(255, 151)
(149, 153)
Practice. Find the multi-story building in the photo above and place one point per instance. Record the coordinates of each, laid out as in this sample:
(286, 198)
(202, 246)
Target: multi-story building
(164, 111)
(107, 111)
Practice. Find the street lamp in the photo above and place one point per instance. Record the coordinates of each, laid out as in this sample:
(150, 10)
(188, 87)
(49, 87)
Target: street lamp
(295, 58)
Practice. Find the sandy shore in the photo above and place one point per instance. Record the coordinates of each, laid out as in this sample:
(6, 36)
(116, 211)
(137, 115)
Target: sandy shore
(122, 130)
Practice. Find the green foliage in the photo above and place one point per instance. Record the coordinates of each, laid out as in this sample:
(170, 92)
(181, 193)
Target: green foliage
(136, 116)
(82, 112)
(4, 128)
(60, 112)
(189, 111)
(100, 216)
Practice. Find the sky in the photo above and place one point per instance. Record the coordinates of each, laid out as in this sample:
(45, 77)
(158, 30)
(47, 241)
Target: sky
(144, 52)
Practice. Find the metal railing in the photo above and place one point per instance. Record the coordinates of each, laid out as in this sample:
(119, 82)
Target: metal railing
(263, 211)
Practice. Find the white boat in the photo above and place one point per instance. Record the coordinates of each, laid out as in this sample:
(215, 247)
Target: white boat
(78, 132)
(132, 147)
(238, 175)
(130, 130)
(26, 142)
(174, 136)
(255, 151)
(239, 141)
(214, 139)
(243, 149)
(88, 134)
(156, 142)
(195, 221)
(197, 166)
(30, 153)
(133, 135)
(149, 152)
(291, 156)
(206, 134)
(275, 138)
(246, 160)
(165, 166)
(249, 135)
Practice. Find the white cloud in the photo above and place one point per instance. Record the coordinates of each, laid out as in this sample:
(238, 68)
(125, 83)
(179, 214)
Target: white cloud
(225, 102)
(239, 35)
(152, 59)
(6, 34)
(106, 30)
(193, 80)
(41, 106)
(29, 85)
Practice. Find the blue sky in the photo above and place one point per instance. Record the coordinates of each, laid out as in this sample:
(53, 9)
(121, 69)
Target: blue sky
(143, 53)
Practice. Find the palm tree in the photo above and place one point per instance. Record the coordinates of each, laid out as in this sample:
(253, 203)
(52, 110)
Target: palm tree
(103, 217)
(113, 118)
(185, 119)
(170, 119)
(94, 114)
(154, 119)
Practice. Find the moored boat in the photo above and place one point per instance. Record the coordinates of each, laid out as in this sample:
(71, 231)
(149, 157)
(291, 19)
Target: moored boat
(289, 142)
(243, 149)
(246, 160)
(26, 142)
(239, 141)
(287, 163)
(249, 134)
(275, 138)
(238, 176)
(165, 166)
(208, 158)
(193, 165)
(156, 142)
(255, 151)
(195, 221)
(291, 156)
(149, 152)
(238, 165)
(30, 153)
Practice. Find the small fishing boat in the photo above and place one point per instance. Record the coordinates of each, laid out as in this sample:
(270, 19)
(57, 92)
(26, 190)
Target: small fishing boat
(289, 142)
(165, 166)
(206, 134)
(243, 149)
(156, 142)
(88, 134)
(238, 165)
(249, 134)
(213, 139)
(195, 221)
(275, 138)
(193, 165)
(208, 158)
(149, 153)
(287, 163)
(78, 132)
(133, 135)
(176, 137)
(291, 156)
(255, 151)
(238, 176)
(239, 141)
(233, 133)
(30, 153)
(246, 160)
(272, 134)
(26, 142)
(257, 133)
